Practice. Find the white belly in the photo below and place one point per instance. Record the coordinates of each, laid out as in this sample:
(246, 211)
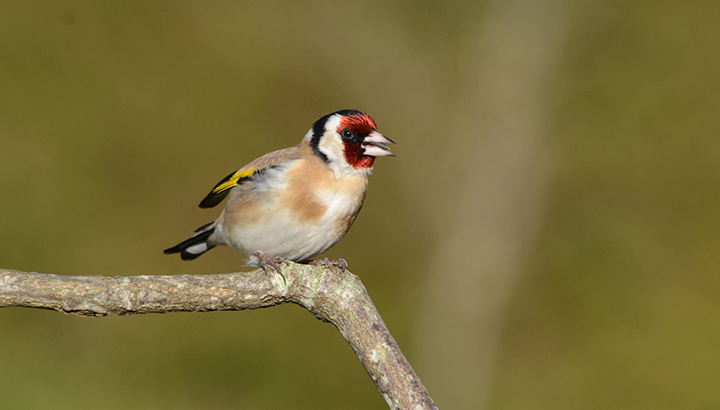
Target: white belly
(277, 231)
(282, 237)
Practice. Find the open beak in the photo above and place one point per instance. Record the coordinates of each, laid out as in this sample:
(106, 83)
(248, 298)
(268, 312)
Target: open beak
(374, 145)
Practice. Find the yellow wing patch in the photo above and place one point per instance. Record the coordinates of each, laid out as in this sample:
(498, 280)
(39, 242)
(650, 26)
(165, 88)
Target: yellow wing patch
(230, 182)
(223, 187)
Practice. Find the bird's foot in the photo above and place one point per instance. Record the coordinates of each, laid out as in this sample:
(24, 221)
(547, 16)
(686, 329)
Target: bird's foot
(271, 261)
(329, 263)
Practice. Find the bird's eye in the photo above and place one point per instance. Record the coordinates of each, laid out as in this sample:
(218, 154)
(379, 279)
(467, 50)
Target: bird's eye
(346, 134)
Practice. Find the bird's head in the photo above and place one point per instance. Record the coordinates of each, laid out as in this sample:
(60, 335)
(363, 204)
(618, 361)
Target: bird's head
(348, 141)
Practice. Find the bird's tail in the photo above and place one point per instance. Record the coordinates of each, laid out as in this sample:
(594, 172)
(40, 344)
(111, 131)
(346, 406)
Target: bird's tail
(197, 245)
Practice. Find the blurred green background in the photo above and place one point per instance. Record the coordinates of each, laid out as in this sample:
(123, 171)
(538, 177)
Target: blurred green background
(547, 237)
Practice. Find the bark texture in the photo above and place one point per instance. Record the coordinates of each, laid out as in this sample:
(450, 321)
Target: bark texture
(329, 293)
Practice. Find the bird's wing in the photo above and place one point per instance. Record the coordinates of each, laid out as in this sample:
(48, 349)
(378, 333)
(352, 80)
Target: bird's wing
(244, 174)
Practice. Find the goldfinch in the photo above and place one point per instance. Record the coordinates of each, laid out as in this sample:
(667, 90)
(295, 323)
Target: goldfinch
(297, 202)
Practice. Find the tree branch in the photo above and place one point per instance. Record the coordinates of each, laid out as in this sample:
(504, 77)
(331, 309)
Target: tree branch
(332, 295)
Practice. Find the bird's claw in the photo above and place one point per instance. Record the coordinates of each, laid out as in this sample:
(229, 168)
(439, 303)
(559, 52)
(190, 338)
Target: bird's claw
(271, 261)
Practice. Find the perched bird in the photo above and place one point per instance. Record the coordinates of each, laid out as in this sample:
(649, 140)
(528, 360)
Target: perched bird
(297, 202)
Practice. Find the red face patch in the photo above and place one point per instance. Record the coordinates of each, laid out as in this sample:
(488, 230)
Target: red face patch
(363, 124)
(354, 156)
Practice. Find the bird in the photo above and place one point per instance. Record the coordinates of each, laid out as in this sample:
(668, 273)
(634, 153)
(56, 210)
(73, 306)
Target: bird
(294, 203)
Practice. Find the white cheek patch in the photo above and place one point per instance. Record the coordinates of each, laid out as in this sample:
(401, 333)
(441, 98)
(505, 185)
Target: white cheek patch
(331, 146)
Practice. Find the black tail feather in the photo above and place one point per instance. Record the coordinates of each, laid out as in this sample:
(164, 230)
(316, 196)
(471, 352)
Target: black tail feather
(192, 248)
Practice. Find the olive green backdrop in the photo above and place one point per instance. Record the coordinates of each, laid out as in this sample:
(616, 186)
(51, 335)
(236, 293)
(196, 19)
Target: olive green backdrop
(547, 238)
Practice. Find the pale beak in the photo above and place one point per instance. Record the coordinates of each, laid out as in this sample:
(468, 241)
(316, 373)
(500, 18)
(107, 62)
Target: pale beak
(374, 145)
